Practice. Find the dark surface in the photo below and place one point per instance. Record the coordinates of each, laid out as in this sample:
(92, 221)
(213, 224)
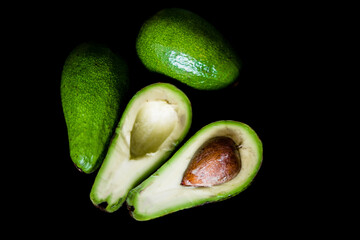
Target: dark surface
(265, 37)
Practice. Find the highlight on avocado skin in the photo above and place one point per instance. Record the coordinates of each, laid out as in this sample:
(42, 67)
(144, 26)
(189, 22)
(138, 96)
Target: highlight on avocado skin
(94, 82)
(182, 45)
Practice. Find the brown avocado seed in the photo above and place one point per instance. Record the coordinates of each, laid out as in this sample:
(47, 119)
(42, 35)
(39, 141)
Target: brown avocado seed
(217, 161)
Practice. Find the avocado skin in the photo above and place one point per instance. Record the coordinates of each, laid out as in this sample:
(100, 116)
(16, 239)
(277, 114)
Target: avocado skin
(184, 46)
(93, 85)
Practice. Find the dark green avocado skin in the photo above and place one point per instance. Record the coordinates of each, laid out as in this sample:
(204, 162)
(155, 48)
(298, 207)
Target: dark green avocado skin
(184, 46)
(93, 85)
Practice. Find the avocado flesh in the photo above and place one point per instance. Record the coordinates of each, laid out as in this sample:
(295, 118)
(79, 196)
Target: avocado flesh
(162, 193)
(94, 83)
(153, 124)
(182, 45)
(161, 114)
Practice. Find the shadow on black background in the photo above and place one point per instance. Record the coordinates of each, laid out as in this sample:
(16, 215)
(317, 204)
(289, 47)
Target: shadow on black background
(264, 36)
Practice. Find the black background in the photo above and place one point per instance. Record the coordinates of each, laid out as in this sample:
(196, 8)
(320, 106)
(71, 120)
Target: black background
(272, 44)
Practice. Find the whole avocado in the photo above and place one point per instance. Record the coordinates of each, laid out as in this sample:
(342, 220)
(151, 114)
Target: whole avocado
(94, 81)
(184, 46)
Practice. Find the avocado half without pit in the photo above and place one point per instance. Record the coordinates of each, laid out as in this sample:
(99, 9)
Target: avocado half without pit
(154, 122)
(218, 162)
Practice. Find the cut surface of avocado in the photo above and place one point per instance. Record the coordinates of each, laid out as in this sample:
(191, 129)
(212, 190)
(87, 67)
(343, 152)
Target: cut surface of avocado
(163, 193)
(156, 119)
(153, 124)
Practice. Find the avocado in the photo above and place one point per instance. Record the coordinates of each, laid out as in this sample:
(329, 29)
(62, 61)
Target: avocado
(216, 163)
(154, 122)
(94, 81)
(184, 46)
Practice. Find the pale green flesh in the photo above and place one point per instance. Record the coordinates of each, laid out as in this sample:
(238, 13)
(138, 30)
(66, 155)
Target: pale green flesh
(162, 193)
(154, 122)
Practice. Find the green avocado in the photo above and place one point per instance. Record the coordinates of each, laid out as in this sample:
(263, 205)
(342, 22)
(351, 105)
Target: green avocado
(154, 122)
(94, 81)
(165, 191)
(184, 46)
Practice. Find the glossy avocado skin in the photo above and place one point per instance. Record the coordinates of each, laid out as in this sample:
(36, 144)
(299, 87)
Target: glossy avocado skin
(184, 46)
(93, 85)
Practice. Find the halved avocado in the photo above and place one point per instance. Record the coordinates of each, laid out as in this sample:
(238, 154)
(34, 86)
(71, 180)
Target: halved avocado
(156, 119)
(164, 191)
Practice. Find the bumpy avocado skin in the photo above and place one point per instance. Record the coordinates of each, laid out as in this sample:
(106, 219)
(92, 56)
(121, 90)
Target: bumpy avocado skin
(93, 85)
(184, 46)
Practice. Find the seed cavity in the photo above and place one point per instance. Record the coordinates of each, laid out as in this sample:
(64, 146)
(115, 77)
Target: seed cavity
(154, 123)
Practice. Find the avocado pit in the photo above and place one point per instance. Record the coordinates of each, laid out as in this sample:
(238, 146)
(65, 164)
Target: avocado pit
(217, 161)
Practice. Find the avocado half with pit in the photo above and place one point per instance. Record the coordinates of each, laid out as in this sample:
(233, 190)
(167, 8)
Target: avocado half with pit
(154, 122)
(218, 162)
